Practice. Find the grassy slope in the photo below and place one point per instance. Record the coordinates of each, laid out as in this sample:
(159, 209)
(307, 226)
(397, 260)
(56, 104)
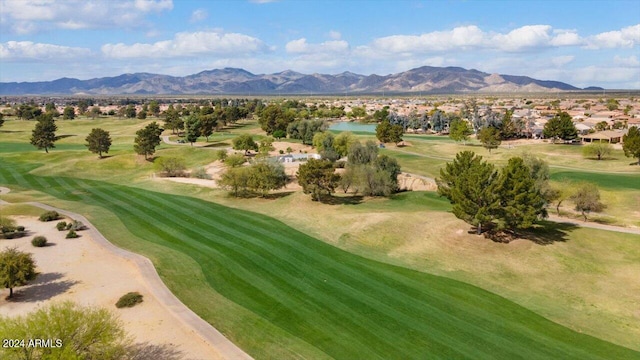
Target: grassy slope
(296, 289)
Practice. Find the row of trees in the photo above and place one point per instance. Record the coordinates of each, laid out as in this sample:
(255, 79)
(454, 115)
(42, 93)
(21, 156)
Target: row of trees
(490, 199)
(366, 172)
(511, 199)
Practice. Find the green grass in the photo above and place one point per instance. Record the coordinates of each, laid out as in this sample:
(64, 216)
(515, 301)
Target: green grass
(296, 289)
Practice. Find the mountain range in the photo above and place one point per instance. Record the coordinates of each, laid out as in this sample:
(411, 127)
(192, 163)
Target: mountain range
(426, 79)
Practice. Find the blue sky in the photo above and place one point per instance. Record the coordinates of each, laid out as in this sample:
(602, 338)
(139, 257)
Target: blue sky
(579, 42)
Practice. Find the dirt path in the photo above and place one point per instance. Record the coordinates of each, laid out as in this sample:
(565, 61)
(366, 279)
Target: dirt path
(593, 225)
(170, 303)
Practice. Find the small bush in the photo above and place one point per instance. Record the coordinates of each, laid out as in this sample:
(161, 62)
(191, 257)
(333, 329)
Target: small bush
(50, 216)
(221, 155)
(7, 225)
(62, 225)
(71, 234)
(129, 300)
(171, 166)
(39, 241)
(200, 173)
(281, 151)
(75, 225)
(20, 228)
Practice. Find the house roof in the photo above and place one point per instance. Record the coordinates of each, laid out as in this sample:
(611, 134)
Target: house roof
(605, 135)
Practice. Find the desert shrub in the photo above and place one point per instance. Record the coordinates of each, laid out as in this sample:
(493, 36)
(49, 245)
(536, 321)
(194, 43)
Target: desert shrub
(76, 225)
(39, 241)
(281, 151)
(62, 225)
(221, 154)
(235, 160)
(7, 225)
(49, 216)
(130, 299)
(71, 234)
(171, 166)
(20, 228)
(200, 173)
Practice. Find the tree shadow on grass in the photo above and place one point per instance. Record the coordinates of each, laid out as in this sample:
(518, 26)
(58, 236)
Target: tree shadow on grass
(217, 145)
(63, 136)
(148, 351)
(44, 287)
(548, 232)
(342, 200)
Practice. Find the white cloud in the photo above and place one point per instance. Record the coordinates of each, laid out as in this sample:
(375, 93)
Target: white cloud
(523, 38)
(566, 38)
(27, 50)
(188, 44)
(624, 38)
(460, 37)
(631, 61)
(335, 35)
(300, 46)
(560, 61)
(199, 15)
(28, 16)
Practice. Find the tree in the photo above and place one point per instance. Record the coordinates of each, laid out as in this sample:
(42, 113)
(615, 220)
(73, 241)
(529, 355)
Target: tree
(95, 112)
(508, 128)
(539, 172)
(1, 119)
(386, 133)
(265, 146)
(521, 204)
(43, 135)
(69, 113)
(244, 142)
(343, 142)
(130, 111)
(273, 118)
(192, 128)
(318, 178)
(154, 108)
(489, 137)
(362, 154)
(459, 131)
(77, 332)
(266, 176)
(324, 143)
(560, 127)
(147, 139)
(587, 199)
(279, 134)
(631, 143)
(16, 269)
(469, 184)
(172, 119)
(98, 141)
(235, 179)
(598, 149)
(208, 124)
(83, 106)
(142, 115)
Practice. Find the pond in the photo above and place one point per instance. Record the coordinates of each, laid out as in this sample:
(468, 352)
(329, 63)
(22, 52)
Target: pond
(353, 127)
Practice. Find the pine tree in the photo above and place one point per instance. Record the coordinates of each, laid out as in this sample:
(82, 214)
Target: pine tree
(98, 141)
(43, 135)
(147, 139)
(469, 184)
(521, 204)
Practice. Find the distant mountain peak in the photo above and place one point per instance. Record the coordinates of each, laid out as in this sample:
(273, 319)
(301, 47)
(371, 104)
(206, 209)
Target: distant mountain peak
(230, 80)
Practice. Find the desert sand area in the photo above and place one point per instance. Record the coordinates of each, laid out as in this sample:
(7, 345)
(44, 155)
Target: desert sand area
(83, 271)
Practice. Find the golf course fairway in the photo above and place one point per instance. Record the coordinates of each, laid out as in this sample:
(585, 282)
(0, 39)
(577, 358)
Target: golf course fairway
(335, 302)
